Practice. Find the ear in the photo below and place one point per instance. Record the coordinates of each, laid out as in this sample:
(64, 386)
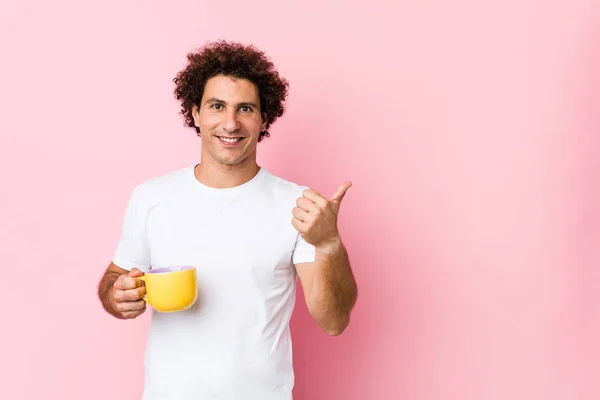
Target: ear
(196, 115)
(263, 127)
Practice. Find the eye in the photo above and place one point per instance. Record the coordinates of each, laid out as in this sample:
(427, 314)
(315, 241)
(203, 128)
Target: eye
(246, 108)
(217, 106)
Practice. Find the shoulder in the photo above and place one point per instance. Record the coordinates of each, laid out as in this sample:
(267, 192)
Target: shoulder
(155, 187)
(282, 187)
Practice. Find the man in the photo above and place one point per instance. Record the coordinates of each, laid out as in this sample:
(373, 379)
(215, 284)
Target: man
(248, 233)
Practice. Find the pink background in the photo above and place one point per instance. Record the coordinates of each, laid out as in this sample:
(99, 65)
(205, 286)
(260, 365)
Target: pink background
(469, 129)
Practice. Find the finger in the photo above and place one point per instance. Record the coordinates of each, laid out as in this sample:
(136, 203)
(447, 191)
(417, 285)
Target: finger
(125, 282)
(300, 214)
(132, 306)
(315, 197)
(340, 192)
(135, 272)
(133, 294)
(121, 296)
(132, 314)
(307, 205)
(299, 225)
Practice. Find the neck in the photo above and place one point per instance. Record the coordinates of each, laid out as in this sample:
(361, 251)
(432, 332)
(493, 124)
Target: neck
(222, 176)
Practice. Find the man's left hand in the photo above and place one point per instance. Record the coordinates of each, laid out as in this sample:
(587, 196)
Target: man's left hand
(315, 217)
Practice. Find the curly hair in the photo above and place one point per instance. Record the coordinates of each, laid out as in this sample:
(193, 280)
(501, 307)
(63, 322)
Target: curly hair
(236, 60)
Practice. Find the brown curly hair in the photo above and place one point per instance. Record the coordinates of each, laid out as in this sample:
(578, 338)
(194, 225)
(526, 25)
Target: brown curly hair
(231, 59)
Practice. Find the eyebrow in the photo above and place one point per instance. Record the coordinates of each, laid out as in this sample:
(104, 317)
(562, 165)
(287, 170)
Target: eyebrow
(244, 103)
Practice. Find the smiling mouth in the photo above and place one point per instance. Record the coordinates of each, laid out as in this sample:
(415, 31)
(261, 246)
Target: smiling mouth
(230, 140)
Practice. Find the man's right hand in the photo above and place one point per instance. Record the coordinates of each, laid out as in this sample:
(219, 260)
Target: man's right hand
(127, 293)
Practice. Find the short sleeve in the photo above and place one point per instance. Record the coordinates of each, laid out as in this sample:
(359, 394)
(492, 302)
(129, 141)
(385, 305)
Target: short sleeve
(303, 251)
(132, 249)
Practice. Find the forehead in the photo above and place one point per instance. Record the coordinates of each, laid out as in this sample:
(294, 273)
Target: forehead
(230, 89)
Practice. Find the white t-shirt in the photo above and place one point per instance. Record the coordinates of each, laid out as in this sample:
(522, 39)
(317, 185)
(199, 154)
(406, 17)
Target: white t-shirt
(234, 343)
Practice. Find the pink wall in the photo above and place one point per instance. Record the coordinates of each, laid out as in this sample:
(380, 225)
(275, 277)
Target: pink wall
(468, 128)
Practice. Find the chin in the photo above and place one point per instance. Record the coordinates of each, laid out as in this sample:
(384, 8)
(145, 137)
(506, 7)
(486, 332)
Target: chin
(231, 161)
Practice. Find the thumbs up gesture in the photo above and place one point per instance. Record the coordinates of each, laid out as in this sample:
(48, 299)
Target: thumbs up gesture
(315, 217)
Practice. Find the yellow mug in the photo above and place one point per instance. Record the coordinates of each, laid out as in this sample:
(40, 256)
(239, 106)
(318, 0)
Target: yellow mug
(170, 289)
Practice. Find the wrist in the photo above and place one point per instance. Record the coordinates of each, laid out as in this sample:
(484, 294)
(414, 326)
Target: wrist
(329, 247)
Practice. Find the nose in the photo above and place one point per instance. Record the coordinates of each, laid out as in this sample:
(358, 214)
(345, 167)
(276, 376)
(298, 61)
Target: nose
(231, 123)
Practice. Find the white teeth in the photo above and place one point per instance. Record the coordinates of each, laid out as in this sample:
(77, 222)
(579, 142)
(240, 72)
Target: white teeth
(230, 140)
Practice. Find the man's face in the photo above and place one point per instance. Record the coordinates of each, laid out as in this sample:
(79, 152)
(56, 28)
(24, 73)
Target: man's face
(229, 118)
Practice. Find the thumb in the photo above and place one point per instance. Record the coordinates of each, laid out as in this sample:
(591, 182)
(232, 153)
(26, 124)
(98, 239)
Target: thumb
(135, 272)
(340, 192)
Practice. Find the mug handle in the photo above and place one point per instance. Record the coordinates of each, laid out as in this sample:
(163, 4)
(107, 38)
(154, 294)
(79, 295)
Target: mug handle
(142, 278)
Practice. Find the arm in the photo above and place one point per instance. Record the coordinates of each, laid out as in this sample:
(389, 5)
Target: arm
(121, 294)
(329, 287)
